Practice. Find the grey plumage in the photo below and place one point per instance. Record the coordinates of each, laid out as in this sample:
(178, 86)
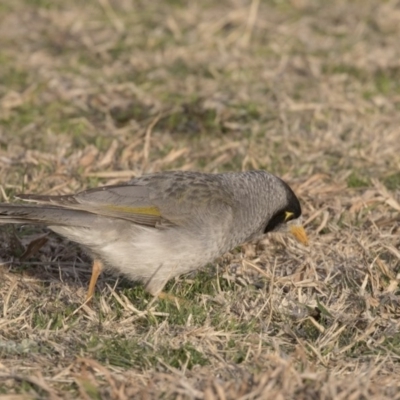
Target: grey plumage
(161, 225)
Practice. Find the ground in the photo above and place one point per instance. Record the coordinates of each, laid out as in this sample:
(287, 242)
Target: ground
(97, 92)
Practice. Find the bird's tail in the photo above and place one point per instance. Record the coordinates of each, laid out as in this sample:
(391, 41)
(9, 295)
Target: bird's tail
(44, 214)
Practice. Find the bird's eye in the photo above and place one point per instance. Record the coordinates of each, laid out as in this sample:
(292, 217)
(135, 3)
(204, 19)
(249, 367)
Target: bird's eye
(288, 216)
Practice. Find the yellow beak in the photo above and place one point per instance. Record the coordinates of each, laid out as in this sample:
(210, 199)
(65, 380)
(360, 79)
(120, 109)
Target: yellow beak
(299, 233)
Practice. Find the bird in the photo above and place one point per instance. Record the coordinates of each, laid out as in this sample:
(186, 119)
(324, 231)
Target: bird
(161, 225)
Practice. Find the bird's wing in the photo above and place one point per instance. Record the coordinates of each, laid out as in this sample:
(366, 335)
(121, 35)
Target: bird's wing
(153, 200)
(127, 202)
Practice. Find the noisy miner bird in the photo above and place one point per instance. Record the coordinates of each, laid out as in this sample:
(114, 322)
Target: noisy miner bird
(161, 225)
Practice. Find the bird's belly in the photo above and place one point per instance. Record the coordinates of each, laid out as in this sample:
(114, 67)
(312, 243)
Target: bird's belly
(146, 254)
(153, 257)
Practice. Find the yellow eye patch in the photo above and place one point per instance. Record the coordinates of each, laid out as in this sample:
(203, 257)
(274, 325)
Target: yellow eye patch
(288, 215)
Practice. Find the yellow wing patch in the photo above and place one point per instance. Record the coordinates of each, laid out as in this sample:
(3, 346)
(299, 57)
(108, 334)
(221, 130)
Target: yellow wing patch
(153, 211)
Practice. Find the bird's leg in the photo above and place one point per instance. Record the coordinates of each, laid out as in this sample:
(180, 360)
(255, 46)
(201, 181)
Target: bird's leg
(171, 298)
(154, 286)
(166, 296)
(97, 267)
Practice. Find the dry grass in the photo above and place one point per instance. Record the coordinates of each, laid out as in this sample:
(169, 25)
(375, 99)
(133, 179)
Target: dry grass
(97, 93)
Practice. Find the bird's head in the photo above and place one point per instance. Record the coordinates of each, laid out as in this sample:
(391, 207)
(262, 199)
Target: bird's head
(288, 217)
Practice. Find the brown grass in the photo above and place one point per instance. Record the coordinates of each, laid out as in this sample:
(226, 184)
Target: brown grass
(97, 93)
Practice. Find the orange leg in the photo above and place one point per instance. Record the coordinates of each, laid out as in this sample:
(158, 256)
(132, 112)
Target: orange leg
(171, 298)
(97, 267)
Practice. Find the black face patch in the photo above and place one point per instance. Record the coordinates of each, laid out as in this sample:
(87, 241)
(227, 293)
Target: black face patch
(280, 217)
(276, 220)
